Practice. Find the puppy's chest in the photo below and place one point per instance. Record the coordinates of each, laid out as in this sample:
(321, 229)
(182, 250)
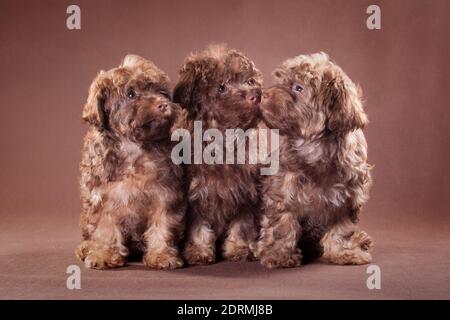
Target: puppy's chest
(325, 194)
(310, 175)
(223, 180)
(312, 192)
(133, 170)
(132, 161)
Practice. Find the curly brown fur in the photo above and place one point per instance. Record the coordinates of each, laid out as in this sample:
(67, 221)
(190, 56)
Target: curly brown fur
(324, 176)
(222, 89)
(131, 192)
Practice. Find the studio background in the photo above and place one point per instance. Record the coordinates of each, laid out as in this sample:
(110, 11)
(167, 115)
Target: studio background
(45, 73)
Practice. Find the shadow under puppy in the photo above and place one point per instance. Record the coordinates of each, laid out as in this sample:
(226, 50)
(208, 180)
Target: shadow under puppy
(324, 177)
(131, 192)
(221, 89)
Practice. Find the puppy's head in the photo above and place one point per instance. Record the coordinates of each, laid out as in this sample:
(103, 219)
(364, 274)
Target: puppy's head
(220, 86)
(312, 97)
(131, 101)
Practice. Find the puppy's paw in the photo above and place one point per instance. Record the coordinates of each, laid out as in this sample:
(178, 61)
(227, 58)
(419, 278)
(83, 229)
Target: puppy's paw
(279, 259)
(362, 240)
(162, 260)
(104, 259)
(82, 250)
(355, 256)
(355, 250)
(199, 255)
(362, 257)
(237, 253)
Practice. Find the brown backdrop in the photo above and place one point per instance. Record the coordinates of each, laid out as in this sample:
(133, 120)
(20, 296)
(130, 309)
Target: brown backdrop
(45, 71)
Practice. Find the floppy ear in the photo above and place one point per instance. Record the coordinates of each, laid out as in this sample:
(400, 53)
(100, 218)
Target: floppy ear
(345, 111)
(183, 93)
(93, 110)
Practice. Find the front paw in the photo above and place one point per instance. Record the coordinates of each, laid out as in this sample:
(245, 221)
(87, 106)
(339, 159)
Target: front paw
(82, 250)
(362, 240)
(280, 258)
(162, 260)
(355, 250)
(347, 257)
(104, 259)
(195, 255)
(237, 253)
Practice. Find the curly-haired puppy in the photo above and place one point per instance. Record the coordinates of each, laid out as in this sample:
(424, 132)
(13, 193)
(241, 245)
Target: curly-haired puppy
(131, 192)
(221, 89)
(324, 176)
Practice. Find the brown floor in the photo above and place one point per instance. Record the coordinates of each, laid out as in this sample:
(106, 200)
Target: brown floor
(45, 72)
(414, 262)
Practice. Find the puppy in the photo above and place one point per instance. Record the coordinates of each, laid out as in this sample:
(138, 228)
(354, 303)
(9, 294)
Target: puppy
(221, 89)
(131, 192)
(324, 177)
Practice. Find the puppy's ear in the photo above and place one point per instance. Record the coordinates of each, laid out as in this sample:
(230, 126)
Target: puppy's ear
(93, 110)
(183, 92)
(344, 107)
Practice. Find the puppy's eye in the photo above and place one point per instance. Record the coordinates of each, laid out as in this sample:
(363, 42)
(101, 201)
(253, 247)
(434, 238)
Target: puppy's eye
(298, 88)
(131, 94)
(164, 93)
(222, 88)
(251, 82)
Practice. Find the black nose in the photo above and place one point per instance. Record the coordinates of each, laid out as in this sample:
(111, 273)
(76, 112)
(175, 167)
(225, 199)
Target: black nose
(162, 107)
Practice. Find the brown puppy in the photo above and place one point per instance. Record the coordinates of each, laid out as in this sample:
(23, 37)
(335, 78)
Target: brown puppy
(221, 89)
(131, 192)
(324, 176)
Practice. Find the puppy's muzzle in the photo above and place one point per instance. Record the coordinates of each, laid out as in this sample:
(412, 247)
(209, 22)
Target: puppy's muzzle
(163, 107)
(158, 105)
(254, 96)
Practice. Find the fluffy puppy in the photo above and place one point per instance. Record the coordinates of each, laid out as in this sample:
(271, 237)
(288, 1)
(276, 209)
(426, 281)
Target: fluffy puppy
(131, 192)
(324, 176)
(221, 89)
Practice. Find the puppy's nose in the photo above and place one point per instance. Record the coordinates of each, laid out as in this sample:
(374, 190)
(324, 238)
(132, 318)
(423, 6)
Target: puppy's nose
(162, 107)
(254, 97)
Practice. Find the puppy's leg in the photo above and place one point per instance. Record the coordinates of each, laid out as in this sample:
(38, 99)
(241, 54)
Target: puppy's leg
(241, 235)
(105, 249)
(344, 243)
(200, 247)
(277, 246)
(161, 239)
